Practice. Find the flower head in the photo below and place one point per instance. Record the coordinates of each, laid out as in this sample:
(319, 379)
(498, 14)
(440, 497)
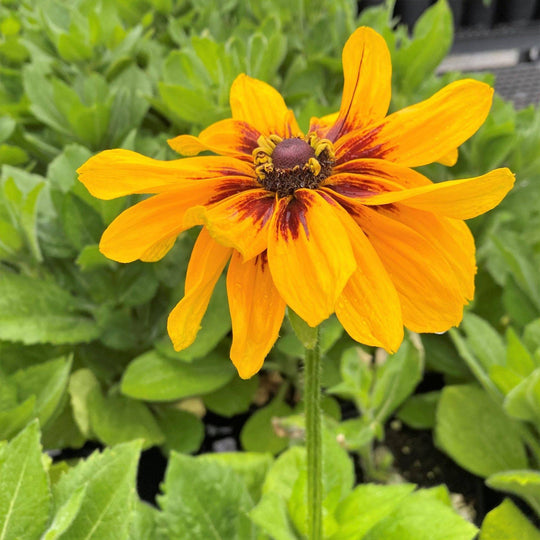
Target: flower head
(332, 221)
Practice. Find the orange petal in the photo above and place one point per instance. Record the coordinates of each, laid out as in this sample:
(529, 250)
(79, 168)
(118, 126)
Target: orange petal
(262, 107)
(424, 132)
(208, 259)
(450, 158)
(242, 221)
(158, 250)
(227, 137)
(257, 311)
(451, 237)
(137, 230)
(115, 173)
(366, 178)
(430, 295)
(369, 307)
(322, 125)
(309, 254)
(458, 199)
(367, 70)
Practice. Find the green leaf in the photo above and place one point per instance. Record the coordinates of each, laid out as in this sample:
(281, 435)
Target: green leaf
(44, 314)
(337, 479)
(488, 441)
(258, 434)
(142, 525)
(307, 335)
(418, 517)
(154, 377)
(432, 38)
(518, 358)
(284, 472)
(81, 384)
(525, 484)
(24, 492)
(484, 341)
(506, 521)
(183, 431)
(62, 170)
(419, 411)
(90, 258)
(117, 419)
(233, 398)
(14, 419)
(396, 379)
(250, 466)
(109, 498)
(65, 515)
(47, 382)
(204, 499)
(523, 401)
(272, 517)
(366, 506)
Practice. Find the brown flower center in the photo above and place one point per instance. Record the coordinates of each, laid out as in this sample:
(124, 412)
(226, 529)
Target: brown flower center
(292, 152)
(285, 165)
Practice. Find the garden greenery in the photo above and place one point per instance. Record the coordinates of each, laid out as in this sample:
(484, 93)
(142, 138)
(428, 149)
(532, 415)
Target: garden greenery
(84, 354)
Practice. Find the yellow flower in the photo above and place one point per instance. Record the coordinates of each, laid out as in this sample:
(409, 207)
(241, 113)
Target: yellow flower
(332, 221)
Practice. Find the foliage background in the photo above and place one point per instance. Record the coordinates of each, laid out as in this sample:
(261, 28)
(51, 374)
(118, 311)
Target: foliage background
(83, 346)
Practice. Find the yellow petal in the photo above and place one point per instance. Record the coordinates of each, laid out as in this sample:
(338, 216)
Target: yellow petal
(367, 71)
(242, 221)
(257, 311)
(450, 158)
(369, 307)
(157, 220)
(115, 173)
(227, 137)
(158, 250)
(208, 259)
(309, 254)
(431, 297)
(422, 133)
(262, 107)
(458, 199)
(451, 237)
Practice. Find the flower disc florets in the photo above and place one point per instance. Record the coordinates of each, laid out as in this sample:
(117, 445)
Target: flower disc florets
(285, 165)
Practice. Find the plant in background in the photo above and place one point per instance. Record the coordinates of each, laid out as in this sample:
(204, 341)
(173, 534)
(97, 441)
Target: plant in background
(335, 220)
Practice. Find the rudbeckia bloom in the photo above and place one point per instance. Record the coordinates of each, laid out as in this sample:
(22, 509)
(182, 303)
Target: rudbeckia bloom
(332, 221)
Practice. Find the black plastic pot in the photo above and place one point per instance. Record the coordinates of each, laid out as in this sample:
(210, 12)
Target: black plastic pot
(457, 11)
(363, 4)
(409, 11)
(479, 14)
(518, 10)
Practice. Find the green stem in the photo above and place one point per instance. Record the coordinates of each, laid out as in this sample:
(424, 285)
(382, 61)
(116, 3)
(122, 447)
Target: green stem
(312, 398)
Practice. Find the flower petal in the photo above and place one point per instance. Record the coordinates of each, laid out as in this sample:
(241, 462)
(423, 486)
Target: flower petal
(257, 311)
(242, 221)
(369, 307)
(208, 259)
(367, 71)
(458, 199)
(309, 254)
(430, 295)
(115, 173)
(451, 237)
(160, 218)
(322, 125)
(450, 158)
(422, 133)
(261, 106)
(366, 178)
(227, 137)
